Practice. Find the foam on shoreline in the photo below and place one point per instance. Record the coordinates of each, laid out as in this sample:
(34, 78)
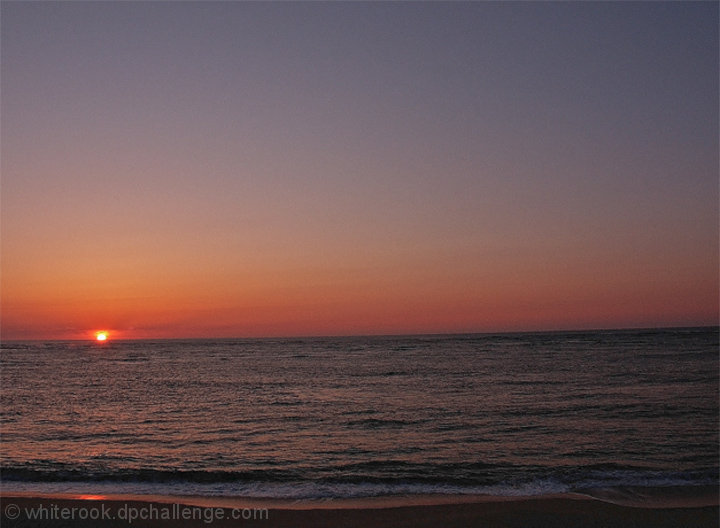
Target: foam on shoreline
(656, 498)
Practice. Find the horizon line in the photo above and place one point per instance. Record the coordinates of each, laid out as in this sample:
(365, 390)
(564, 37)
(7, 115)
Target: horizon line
(351, 336)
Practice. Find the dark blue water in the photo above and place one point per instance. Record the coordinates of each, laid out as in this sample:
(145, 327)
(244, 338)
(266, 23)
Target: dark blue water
(345, 417)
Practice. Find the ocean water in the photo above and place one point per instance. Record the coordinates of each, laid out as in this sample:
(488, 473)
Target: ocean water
(505, 414)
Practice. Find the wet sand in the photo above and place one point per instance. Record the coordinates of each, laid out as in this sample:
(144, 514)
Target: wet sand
(561, 511)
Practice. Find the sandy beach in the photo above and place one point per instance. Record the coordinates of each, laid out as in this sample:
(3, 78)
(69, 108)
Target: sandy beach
(546, 512)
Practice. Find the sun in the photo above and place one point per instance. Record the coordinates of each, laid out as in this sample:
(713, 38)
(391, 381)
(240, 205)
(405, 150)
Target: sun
(101, 336)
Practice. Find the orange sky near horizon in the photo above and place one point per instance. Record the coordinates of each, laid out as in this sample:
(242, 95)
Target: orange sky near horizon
(248, 170)
(413, 296)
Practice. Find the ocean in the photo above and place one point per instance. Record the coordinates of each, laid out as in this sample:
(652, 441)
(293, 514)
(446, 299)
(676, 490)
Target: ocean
(317, 418)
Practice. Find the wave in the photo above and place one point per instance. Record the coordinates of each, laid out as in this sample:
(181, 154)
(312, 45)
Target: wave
(139, 475)
(661, 496)
(368, 479)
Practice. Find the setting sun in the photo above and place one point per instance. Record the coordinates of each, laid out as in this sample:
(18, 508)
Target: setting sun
(101, 336)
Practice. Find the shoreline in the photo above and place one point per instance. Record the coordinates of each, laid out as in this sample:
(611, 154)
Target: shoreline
(631, 496)
(350, 503)
(546, 511)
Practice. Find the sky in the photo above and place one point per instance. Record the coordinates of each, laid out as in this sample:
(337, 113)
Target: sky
(228, 169)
